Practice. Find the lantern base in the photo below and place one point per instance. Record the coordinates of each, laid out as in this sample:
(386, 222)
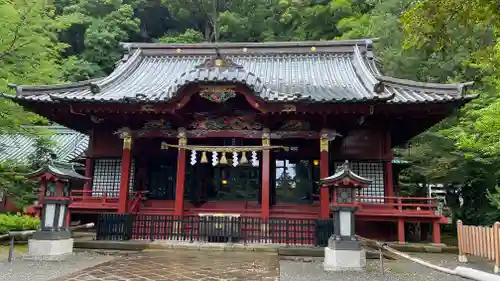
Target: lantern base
(52, 235)
(50, 249)
(341, 255)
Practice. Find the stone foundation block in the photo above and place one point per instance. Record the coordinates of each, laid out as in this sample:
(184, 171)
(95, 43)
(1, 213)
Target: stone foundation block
(49, 249)
(344, 260)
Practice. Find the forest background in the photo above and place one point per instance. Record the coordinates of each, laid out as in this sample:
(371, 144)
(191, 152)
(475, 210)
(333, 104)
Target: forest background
(45, 42)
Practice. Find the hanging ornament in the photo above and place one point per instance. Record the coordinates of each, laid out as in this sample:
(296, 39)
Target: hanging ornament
(255, 162)
(164, 145)
(204, 157)
(214, 159)
(223, 159)
(235, 159)
(243, 159)
(193, 157)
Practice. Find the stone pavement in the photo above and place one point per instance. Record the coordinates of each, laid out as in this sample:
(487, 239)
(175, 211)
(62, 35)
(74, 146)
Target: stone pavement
(184, 265)
(38, 270)
(394, 270)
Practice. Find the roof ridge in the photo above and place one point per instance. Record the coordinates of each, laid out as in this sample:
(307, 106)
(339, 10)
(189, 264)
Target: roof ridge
(275, 44)
(369, 80)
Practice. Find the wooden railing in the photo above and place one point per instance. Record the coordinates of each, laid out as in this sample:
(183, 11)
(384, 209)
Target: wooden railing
(479, 241)
(135, 202)
(394, 202)
(106, 199)
(400, 203)
(94, 196)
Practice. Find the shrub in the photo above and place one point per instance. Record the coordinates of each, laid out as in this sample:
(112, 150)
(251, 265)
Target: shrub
(17, 222)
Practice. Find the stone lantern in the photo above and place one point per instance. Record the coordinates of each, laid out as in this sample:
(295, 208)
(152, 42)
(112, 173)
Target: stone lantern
(53, 238)
(344, 251)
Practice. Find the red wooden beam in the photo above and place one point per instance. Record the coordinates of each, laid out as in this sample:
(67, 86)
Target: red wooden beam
(323, 173)
(436, 232)
(266, 174)
(401, 231)
(125, 174)
(181, 177)
(248, 134)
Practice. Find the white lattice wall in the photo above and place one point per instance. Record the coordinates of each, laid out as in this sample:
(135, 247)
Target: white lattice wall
(106, 177)
(373, 171)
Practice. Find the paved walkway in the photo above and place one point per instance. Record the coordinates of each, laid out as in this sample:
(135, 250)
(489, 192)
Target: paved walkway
(394, 270)
(217, 265)
(183, 266)
(39, 270)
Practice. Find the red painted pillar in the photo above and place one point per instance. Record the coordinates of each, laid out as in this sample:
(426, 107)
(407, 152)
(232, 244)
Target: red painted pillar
(401, 231)
(181, 177)
(324, 196)
(436, 232)
(266, 174)
(125, 175)
(87, 187)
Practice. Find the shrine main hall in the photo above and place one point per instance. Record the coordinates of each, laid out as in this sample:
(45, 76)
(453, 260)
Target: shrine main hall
(246, 130)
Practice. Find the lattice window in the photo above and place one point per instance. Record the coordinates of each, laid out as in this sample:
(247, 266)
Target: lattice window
(373, 171)
(106, 177)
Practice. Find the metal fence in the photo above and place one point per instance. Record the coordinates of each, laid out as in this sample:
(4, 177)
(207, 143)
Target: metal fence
(221, 229)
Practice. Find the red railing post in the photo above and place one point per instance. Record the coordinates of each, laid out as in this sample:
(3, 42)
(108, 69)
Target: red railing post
(401, 231)
(400, 204)
(436, 232)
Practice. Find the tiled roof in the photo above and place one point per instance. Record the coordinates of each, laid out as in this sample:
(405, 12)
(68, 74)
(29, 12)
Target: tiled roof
(325, 71)
(61, 169)
(344, 171)
(67, 144)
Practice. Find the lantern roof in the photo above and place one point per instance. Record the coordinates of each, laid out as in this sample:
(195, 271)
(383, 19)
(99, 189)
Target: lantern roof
(345, 176)
(61, 170)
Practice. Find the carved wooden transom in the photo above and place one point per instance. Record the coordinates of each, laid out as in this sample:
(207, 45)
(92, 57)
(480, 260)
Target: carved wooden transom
(217, 94)
(212, 122)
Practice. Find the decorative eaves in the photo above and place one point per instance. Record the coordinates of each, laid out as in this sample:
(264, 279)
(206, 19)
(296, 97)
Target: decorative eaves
(342, 173)
(60, 170)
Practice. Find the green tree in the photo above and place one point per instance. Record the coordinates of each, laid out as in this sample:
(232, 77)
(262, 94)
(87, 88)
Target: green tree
(198, 14)
(468, 29)
(29, 54)
(189, 36)
(103, 37)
